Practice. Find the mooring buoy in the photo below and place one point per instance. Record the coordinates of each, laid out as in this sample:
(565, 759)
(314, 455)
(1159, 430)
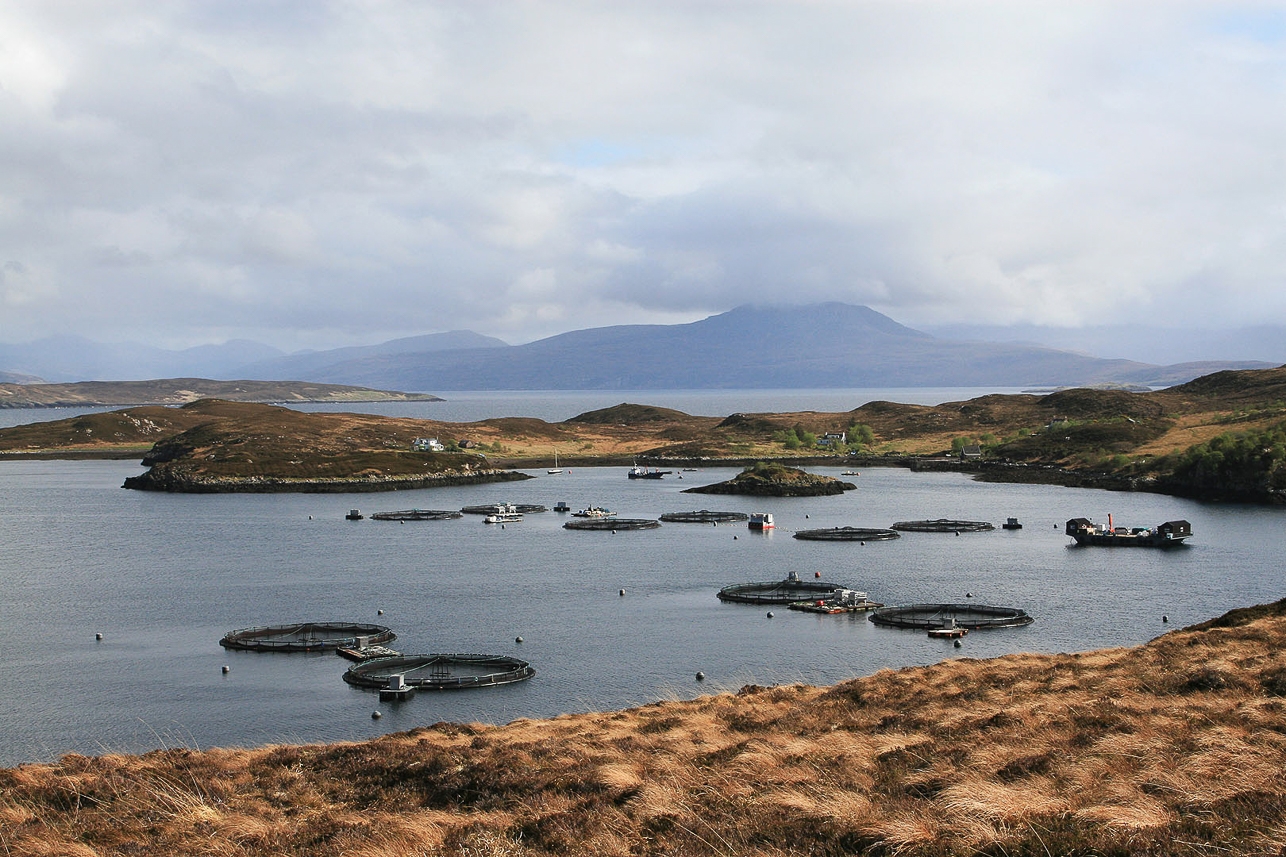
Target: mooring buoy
(375, 715)
(379, 612)
(817, 574)
(769, 614)
(701, 676)
(622, 592)
(958, 644)
(226, 669)
(1165, 618)
(517, 639)
(98, 636)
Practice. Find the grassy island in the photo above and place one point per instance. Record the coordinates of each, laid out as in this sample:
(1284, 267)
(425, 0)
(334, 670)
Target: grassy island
(1220, 437)
(1175, 748)
(771, 479)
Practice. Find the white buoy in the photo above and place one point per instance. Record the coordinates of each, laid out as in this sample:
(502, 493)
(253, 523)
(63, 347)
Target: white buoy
(517, 639)
(375, 715)
(769, 614)
(622, 592)
(98, 636)
(958, 644)
(226, 669)
(701, 676)
(1165, 618)
(379, 612)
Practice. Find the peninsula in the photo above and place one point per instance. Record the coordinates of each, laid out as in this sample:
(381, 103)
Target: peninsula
(179, 391)
(1219, 437)
(1171, 748)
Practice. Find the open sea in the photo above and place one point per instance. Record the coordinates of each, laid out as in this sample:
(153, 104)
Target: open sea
(163, 577)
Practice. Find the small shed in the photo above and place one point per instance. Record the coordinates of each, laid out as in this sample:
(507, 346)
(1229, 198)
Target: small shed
(973, 450)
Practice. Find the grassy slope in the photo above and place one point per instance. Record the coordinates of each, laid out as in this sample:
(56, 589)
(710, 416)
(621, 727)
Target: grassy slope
(1176, 747)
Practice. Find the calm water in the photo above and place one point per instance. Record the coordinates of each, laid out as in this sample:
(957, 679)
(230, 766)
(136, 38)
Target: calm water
(162, 577)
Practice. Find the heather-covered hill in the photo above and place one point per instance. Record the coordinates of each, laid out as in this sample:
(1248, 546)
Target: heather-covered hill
(1169, 749)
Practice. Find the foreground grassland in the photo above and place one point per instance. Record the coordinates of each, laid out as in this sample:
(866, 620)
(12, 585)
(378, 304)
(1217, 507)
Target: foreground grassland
(1177, 747)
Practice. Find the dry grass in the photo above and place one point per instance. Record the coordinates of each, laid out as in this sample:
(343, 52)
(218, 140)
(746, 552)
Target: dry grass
(1176, 747)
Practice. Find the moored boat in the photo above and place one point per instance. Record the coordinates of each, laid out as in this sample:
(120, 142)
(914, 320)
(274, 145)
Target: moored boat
(594, 512)
(637, 472)
(761, 521)
(1169, 534)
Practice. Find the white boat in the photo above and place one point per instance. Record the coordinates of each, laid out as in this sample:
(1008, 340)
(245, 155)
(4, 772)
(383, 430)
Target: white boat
(556, 468)
(761, 521)
(504, 514)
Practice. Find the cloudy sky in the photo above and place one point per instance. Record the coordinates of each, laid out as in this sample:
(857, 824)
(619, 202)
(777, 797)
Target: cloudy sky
(315, 174)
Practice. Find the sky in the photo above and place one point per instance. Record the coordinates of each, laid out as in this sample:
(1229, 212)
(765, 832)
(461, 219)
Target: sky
(318, 173)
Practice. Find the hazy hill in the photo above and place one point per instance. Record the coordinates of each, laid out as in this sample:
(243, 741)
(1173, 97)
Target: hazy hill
(822, 345)
(312, 364)
(74, 358)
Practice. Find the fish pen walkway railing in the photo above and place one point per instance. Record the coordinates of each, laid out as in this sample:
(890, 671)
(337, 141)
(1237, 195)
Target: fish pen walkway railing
(847, 534)
(454, 671)
(778, 592)
(417, 515)
(972, 617)
(704, 517)
(307, 637)
(942, 525)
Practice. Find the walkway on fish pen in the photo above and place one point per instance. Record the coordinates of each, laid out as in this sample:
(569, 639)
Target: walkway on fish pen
(928, 617)
(307, 637)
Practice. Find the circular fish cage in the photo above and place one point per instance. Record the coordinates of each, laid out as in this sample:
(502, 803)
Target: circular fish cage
(929, 617)
(847, 534)
(497, 508)
(612, 524)
(704, 517)
(942, 525)
(778, 592)
(307, 637)
(440, 671)
(416, 515)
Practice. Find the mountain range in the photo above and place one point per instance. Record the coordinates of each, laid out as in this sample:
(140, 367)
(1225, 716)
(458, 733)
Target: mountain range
(813, 346)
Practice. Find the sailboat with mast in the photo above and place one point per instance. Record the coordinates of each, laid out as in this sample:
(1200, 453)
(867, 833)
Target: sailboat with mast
(555, 468)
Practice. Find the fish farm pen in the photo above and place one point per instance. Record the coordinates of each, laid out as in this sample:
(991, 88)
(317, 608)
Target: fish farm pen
(928, 617)
(497, 508)
(307, 637)
(612, 524)
(439, 672)
(942, 525)
(847, 534)
(704, 517)
(778, 592)
(416, 515)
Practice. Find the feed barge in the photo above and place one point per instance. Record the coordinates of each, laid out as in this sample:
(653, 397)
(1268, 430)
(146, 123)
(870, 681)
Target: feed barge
(786, 591)
(839, 601)
(1169, 534)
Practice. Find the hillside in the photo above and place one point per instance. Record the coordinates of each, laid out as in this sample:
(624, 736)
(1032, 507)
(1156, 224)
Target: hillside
(1173, 748)
(178, 391)
(1157, 441)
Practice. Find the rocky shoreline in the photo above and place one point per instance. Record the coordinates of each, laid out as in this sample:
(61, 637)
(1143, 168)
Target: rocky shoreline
(168, 481)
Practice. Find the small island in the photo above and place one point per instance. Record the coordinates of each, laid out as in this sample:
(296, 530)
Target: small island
(771, 479)
(265, 448)
(180, 391)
